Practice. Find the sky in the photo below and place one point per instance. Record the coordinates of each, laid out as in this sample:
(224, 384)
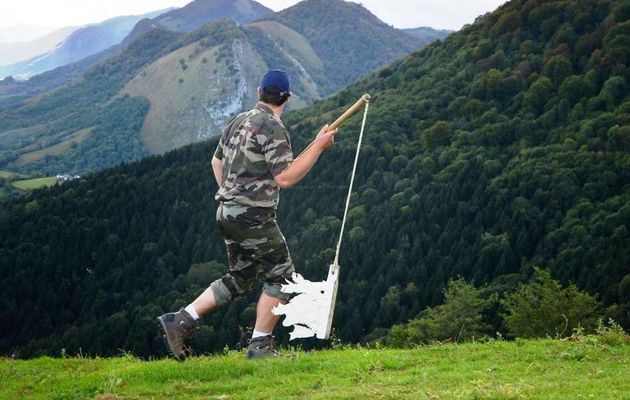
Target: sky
(441, 14)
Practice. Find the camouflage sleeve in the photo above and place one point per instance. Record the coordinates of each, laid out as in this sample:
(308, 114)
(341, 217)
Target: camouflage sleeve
(277, 149)
(218, 153)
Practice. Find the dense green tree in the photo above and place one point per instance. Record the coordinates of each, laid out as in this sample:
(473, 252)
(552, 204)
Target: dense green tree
(538, 94)
(544, 308)
(574, 88)
(439, 134)
(460, 318)
(557, 68)
(613, 90)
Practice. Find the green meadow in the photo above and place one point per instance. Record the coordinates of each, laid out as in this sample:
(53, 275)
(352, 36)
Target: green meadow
(585, 367)
(30, 184)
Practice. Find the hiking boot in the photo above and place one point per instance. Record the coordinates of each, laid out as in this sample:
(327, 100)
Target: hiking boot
(262, 347)
(177, 327)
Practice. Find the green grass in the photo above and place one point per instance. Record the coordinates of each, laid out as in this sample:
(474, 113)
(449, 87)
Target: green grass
(8, 174)
(30, 184)
(160, 83)
(54, 150)
(540, 369)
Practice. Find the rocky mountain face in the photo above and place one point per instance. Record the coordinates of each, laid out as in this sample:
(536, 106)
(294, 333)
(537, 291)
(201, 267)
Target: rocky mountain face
(194, 90)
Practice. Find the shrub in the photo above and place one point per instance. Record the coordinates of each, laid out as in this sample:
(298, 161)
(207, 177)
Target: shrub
(543, 307)
(611, 333)
(460, 318)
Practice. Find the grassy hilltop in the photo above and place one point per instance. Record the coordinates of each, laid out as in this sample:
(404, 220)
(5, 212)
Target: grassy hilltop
(587, 367)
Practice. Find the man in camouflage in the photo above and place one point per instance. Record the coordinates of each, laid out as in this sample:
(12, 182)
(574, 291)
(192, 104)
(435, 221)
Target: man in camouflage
(252, 162)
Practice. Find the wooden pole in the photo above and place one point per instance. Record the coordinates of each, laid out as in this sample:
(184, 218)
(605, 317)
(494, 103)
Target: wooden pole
(342, 119)
(350, 112)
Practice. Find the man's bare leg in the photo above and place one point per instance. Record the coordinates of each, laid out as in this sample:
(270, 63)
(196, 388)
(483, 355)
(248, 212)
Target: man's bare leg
(204, 303)
(261, 344)
(265, 319)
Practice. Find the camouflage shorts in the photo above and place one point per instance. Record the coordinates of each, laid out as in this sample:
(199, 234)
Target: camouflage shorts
(257, 251)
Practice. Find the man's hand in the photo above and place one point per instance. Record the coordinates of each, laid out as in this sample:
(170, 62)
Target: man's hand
(325, 138)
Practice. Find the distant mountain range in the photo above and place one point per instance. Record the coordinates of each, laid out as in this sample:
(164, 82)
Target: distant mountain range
(14, 52)
(81, 43)
(191, 81)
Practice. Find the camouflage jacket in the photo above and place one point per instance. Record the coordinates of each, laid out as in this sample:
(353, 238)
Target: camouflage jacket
(254, 148)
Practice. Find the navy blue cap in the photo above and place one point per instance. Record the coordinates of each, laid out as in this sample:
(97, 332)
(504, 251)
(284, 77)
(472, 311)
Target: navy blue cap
(277, 78)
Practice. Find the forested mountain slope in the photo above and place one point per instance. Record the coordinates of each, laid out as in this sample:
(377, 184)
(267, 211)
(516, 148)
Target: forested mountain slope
(14, 91)
(184, 19)
(200, 12)
(502, 148)
(56, 116)
(191, 85)
(349, 39)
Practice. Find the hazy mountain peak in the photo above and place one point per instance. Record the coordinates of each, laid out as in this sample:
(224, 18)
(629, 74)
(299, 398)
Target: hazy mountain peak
(11, 53)
(77, 45)
(426, 34)
(199, 12)
(359, 41)
(330, 7)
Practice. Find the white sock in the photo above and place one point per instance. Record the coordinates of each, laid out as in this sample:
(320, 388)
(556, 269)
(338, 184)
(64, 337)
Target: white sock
(256, 334)
(191, 310)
